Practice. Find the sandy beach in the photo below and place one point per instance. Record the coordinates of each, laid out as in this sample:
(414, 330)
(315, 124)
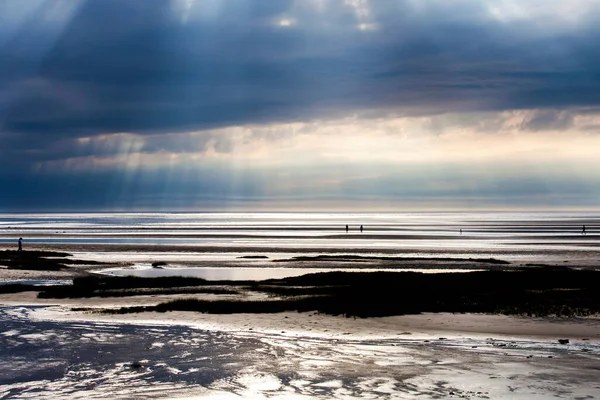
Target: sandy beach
(296, 355)
(189, 355)
(63, 348)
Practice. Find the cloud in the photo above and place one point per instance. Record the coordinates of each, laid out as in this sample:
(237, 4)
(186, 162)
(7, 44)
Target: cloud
(247, 90)
(390, 141)
(137, 67)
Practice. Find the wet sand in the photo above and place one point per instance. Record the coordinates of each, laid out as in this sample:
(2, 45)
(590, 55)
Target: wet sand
(291, 355)
(51, 351)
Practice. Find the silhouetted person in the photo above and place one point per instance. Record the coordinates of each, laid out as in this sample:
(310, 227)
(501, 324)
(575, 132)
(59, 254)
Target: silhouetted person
(20, 244)
(461, 231)
(361, 229)
(583, 230)
(346, 228)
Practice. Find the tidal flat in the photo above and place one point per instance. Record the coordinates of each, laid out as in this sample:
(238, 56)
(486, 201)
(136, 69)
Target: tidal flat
(382, 315)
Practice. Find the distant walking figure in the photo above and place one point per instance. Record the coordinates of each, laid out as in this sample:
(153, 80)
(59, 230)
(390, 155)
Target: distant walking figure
(361, 228)
(461, 231)
(20, 244)
(346, 228)
(583, 230)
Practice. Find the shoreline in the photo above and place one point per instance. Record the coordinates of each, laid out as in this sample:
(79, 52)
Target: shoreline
(585, 330)
(443, 321)
(313, 323)
(252, 357)
(306, 355)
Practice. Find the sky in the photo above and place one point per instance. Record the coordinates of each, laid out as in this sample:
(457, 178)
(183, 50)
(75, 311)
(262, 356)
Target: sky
(199, 105)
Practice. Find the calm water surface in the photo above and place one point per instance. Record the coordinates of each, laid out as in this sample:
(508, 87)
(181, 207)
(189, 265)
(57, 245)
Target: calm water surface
(515, 237)
(248, 273)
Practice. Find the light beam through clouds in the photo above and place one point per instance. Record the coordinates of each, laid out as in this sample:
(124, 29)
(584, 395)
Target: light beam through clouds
(193, 104)
(364, 16)
(184, 8)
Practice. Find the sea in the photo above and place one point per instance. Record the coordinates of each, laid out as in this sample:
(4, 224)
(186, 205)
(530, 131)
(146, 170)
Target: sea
(246, 243)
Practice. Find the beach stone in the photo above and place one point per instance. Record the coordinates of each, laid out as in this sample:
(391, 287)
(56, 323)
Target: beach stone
(563, 341)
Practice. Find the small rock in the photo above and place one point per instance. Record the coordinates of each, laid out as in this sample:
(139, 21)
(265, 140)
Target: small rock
(563, 341)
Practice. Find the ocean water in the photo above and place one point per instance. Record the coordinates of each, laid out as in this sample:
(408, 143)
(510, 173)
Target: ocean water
(515, 237)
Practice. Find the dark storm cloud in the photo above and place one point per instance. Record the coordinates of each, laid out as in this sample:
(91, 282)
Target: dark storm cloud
(143, 66)
(86, 69)
(550, 119)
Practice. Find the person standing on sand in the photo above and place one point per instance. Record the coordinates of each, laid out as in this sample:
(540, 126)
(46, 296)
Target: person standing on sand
(361, 228)
(583, 230)
(346, 228)
(20, 244)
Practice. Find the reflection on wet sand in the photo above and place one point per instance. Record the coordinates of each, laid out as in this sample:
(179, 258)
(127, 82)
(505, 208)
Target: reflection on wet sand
(55, 352)
(76, 359)
(247, 273)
